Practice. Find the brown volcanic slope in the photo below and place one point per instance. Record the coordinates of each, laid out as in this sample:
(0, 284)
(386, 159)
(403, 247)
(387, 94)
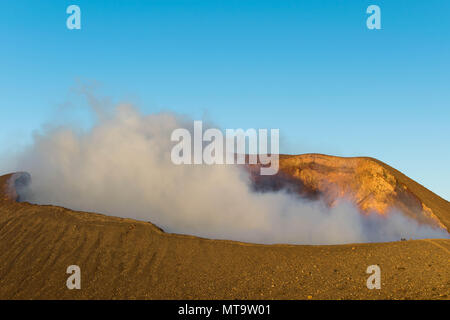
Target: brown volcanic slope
(128, 259)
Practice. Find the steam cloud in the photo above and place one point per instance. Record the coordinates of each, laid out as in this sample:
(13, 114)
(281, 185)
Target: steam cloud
(122, 167)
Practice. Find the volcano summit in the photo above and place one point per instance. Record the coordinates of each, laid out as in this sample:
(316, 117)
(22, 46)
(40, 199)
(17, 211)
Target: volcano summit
(128, 259)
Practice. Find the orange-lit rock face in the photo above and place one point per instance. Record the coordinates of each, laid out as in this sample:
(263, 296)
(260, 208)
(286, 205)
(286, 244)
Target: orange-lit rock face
(363, 181)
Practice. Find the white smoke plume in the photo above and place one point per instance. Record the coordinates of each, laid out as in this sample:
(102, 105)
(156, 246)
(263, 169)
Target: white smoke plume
(122, 167)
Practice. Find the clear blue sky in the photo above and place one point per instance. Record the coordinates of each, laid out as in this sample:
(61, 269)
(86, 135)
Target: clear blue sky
(310, 68)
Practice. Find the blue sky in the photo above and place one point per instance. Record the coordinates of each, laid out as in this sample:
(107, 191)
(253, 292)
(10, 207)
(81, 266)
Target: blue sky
(310, 68)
